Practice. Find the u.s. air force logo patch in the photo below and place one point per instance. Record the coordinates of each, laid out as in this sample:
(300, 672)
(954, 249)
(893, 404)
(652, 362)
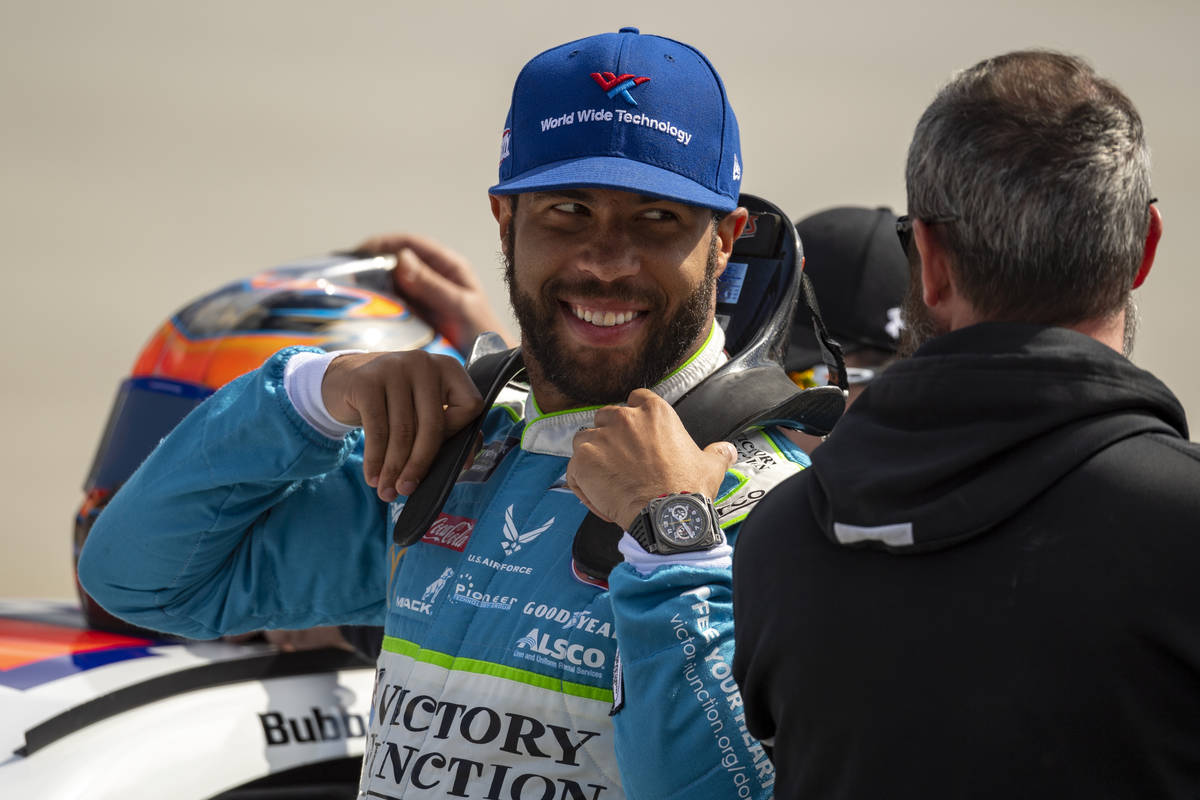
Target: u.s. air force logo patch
(761, 466)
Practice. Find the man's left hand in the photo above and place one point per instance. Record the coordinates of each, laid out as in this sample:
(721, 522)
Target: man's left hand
(640, 451)
(442, 286)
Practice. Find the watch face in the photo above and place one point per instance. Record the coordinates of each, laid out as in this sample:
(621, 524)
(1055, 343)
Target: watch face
(682, 521)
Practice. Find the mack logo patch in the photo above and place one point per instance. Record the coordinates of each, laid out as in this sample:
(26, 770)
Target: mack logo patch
(435, 588)
(614, 85)
(418, 606)
(428, 597)
(450, 532)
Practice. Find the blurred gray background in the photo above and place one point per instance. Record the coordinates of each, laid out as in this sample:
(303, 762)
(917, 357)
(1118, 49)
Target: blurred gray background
(151, 151)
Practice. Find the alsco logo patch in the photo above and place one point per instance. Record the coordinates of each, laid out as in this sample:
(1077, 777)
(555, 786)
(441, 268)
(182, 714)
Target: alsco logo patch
(614, 85)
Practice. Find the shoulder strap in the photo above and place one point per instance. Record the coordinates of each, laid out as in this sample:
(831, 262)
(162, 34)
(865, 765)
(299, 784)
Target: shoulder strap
(490, 373)
(751, 389)
(733, 399)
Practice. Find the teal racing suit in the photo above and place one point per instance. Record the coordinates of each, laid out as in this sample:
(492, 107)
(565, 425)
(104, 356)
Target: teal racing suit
(496, 678)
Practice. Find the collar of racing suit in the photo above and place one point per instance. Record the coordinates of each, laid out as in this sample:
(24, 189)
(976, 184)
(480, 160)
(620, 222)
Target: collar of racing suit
(552, 434)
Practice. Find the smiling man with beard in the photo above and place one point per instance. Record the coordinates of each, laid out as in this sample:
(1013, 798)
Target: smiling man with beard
(272, 505)
(593, 357)
(985, 585)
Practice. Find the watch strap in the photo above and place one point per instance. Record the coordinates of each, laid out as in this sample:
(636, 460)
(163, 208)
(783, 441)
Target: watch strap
(633, 554)
(642, 531)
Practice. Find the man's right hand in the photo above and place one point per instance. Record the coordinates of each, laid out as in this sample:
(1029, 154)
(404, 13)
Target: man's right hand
(407, 403)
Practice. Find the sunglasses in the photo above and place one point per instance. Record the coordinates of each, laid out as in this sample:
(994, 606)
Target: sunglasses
(904, 230)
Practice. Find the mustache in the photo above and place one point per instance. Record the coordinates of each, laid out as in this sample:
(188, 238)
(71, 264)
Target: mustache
(593, 289)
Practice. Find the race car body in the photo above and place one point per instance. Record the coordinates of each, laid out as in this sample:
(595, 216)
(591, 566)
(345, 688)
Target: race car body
(85, 713)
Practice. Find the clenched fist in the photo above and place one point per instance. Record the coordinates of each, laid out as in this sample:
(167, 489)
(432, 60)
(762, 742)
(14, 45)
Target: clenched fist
(407, 403)
(637, 452)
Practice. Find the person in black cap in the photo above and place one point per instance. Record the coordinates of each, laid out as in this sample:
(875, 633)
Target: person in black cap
(985, 584)
(859, 274)
(617, 210)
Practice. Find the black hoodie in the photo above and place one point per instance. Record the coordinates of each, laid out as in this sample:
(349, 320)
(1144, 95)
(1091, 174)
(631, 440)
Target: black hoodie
(987, 584)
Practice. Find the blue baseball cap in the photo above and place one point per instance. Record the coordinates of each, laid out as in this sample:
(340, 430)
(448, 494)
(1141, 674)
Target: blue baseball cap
(624, 111)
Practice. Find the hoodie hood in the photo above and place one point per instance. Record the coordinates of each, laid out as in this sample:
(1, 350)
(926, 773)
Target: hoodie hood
(958, 438)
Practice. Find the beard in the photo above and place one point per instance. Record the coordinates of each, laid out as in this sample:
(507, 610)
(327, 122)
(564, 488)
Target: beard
(919, 325)
(592, 376)
(1131, 326)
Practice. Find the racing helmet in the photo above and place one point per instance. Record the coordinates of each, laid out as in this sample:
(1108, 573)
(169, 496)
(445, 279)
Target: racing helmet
(335, 302)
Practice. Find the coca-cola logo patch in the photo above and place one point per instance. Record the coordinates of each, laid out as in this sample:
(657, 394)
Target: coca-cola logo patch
(450, 531)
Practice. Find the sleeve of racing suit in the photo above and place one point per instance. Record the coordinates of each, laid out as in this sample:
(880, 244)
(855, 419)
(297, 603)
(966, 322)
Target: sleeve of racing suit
(681, 732)
(243, 518)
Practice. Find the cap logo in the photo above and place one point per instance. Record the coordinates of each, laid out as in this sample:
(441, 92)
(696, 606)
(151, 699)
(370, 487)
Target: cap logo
(614, 85)
(675, 139)
(505, 144)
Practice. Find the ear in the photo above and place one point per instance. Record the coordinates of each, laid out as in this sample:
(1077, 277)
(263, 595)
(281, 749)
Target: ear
(728, 230)
(1153, 234)
(937, 280)
(502, 210)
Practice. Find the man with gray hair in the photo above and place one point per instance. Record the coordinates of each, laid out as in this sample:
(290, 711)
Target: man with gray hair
(985, 585)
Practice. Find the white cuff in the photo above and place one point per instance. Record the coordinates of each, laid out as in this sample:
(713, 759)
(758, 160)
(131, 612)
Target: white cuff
(719, 557)
(302, 376)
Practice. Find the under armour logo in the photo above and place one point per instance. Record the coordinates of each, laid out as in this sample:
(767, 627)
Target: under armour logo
(614, 85)
(894, 324)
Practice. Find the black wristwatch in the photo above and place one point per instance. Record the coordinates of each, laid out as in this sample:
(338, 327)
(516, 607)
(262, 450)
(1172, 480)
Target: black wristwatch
(677, 523)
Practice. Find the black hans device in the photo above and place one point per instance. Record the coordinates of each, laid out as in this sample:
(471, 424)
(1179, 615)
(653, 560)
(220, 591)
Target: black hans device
(752, 388)
(677, 523)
